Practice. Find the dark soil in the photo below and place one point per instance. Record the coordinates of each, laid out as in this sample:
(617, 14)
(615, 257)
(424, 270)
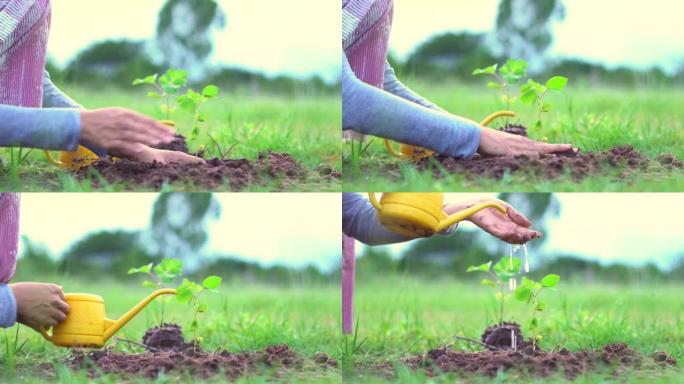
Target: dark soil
(270, 167)
(168, 352)
(579, 165)
(524, 359)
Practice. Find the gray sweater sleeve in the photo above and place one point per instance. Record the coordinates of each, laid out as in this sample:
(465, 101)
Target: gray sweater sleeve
(54, 129)
(373, 111)
(397, 88)
(53, 97)
(8, 307)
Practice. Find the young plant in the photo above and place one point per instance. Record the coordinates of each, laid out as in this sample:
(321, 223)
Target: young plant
(166, 86)
(163, 274)
(191, 292)
(192, 102)
(532, 93)
(504, 271)
(509, 75)
(529, 291)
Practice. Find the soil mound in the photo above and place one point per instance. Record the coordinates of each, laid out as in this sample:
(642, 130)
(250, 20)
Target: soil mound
(504, 336)
(614, 359)
(269, 167)
(579, 165)
(167, 352)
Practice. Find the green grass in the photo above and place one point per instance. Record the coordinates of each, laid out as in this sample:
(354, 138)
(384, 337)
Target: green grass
(397, 317)
(306, 126)
(593, 119)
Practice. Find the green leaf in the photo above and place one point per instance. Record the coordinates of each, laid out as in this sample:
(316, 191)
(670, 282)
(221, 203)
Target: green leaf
(494, 85)
(193, 325)
(550, 280)
(201, 117)
(506, 268)
(212, 282)
(151, 79)
(480, 268)
(513, 71)
(546, 107)
(557, 83)
(149, 284)
(533, 323)
(202, 308)
(540, 307)
(488, 283)
(183, 295)
(210, 91)
(486, 71)
(168, 270)
(186, 103)
(144, 269)
(523, 293)
(525, 282)
(154, 95)
(528, 96)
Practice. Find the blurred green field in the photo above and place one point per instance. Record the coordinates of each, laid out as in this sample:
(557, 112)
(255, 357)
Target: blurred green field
(593, 119)
(305, 126)
(398, 316)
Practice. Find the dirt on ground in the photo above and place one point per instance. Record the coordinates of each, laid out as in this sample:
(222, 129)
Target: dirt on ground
(168, 352)
(525, 359)
(578, 164)
(270, 167)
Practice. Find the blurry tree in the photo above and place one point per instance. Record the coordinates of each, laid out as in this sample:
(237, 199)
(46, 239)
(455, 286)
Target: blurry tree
(111, 252)
(110, 62)
(523, 27)
(184, 33)
(35, 259)
(179, 225)
(450, 54)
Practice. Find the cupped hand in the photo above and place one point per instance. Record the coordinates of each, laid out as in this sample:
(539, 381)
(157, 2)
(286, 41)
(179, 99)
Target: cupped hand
(119, 131)
(498, 143)
(39, 305)
(511, 227)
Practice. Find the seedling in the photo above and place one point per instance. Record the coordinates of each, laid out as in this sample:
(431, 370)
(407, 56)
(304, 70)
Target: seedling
(529, 291)
(504, 271)
(533, 93)
(166, 86)
(161, 275)
(190, 292)
(171, 83)
(505, 78)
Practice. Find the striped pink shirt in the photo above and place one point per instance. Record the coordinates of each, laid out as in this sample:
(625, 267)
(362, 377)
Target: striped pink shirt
(9, 234)
(24, 29)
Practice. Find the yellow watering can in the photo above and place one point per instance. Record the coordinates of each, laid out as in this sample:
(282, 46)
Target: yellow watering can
(82, 156)
(86, 324)
(420, 214)
(415, 153)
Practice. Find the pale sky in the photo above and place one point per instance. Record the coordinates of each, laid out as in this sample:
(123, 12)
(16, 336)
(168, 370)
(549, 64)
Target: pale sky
(272, 228)
(635, 32)
(296, 37)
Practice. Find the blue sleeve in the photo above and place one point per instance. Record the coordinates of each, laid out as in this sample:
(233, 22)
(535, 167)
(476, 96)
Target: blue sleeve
(397, 88)
(54, 129)
(359, 222)
(8, 307)
(373, 111)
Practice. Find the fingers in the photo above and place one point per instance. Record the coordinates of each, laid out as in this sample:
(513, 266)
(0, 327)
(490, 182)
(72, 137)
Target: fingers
(518, 217)
(553, 148)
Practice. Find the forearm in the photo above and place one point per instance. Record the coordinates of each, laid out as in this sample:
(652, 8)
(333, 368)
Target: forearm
(359, 221)
(8, 307)
(53, 97)
(54, 129)
(373, 111)
(397, 88)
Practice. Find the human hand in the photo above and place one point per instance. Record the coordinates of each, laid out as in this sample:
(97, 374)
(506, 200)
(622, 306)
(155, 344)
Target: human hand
(120, 131)
(163, 156)
(511, 227)
(498, 143)
(39, 305)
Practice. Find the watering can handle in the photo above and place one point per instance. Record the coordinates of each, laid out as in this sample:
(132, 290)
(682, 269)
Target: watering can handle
(464, 214)
(54, 161)
(393, 152)
(374, 201)
(495, 116)
(43, 331)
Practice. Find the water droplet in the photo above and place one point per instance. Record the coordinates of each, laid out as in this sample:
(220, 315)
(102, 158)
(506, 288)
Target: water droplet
(527, 264)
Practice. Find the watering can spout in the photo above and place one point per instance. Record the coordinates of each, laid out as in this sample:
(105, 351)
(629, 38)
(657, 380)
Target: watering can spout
(112, 326)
